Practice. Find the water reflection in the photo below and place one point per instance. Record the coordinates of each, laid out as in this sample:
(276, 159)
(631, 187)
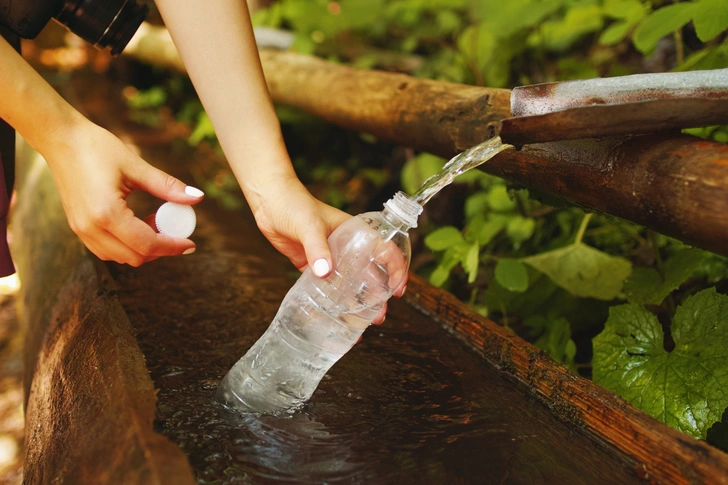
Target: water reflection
(294, 447)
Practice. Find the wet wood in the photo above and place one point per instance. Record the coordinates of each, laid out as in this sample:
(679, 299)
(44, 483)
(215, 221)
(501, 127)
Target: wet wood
(677, 185)
(89, 401)
(664, 454)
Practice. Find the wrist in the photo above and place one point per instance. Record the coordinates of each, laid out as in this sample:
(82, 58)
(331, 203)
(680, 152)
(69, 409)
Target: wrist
(260, 190)
(68, 127)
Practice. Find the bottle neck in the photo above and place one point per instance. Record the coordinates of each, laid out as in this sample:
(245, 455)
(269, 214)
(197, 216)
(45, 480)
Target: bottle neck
(402, 212)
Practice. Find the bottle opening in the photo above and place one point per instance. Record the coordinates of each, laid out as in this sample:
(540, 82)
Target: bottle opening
(405, 208)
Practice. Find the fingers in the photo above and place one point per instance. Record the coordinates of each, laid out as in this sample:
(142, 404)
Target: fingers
(381, 316)
(317, 250)
(115, 234)
(399, 292)
(108, 248)
(162, 185)
(140, 237)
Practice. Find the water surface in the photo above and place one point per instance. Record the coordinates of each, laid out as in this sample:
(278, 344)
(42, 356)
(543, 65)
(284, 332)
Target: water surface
(409, 404)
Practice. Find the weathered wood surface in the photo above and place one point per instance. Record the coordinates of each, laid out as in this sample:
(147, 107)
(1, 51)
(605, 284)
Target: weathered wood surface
(435, 116)
(89, 401)
(677, 185)
(666, 456)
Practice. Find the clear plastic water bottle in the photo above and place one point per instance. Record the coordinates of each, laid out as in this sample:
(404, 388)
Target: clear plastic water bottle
(321, 319)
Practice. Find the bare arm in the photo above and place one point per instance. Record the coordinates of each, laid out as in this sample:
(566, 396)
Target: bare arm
(92, 169)
(215, 40)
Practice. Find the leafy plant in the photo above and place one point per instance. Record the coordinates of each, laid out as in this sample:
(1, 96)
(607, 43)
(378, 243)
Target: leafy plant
(684, 387)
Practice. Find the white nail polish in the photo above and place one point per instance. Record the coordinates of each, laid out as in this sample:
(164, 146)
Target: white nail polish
(189, 251)
(321, 267)
(176, 220)
(193, 191)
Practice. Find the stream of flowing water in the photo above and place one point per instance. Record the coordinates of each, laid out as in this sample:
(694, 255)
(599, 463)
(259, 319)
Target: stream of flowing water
(459, 164)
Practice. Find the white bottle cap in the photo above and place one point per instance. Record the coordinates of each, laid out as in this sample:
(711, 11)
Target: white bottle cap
(175, 220)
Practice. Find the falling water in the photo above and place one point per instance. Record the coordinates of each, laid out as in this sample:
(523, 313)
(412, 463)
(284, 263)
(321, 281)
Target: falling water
(461, 163)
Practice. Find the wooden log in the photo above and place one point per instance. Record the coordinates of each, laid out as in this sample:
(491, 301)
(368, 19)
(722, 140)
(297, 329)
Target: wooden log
(675, 184)
(435, 116)
(666, 455)
(89, 401)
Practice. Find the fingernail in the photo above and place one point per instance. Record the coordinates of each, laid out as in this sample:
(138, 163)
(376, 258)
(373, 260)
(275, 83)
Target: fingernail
(403, 290)
(321, 267)
(190, 251)
(193, 191)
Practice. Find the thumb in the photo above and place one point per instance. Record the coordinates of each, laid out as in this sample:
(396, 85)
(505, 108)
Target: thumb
(164, 186)
(317, 251)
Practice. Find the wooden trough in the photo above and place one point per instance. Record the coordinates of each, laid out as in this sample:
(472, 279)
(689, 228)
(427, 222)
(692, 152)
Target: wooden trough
(94, 336)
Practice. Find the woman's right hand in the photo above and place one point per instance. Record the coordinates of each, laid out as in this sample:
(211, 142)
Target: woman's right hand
(94, 173)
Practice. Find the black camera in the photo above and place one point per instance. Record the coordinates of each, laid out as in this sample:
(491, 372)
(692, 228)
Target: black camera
(103, 23)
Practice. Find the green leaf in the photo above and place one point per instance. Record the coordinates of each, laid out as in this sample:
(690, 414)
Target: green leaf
(615, 33)
(645, 286)
(686, 388)
(490, 229)
(499, 200)
(512, 275)
(520, 228)
(556, 340)
(660, 23)
(710, 18)
(535, 301)
(476, 204)
(418, 169)
(629, 11)
(507, 18)
(442, 272)
(443, 238)
(470, 261)
(624, 9)
(583, 271)
(561, 34)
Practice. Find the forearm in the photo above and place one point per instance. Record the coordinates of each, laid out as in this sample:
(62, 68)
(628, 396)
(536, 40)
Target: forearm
(215, 40)
(31, 105)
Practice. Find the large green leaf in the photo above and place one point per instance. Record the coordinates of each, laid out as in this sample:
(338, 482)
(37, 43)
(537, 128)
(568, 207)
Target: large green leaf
(660, 23)
(686, 388)
(645, 286)
(583, 271)
(710, 18)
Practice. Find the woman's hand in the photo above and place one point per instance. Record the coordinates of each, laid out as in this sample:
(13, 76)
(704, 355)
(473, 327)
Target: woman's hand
(298, 225)
(94, 172)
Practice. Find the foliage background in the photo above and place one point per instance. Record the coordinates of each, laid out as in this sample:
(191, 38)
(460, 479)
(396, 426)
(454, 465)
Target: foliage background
(644, 315)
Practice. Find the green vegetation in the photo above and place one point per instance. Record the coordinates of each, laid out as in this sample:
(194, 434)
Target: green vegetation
(656, 309)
